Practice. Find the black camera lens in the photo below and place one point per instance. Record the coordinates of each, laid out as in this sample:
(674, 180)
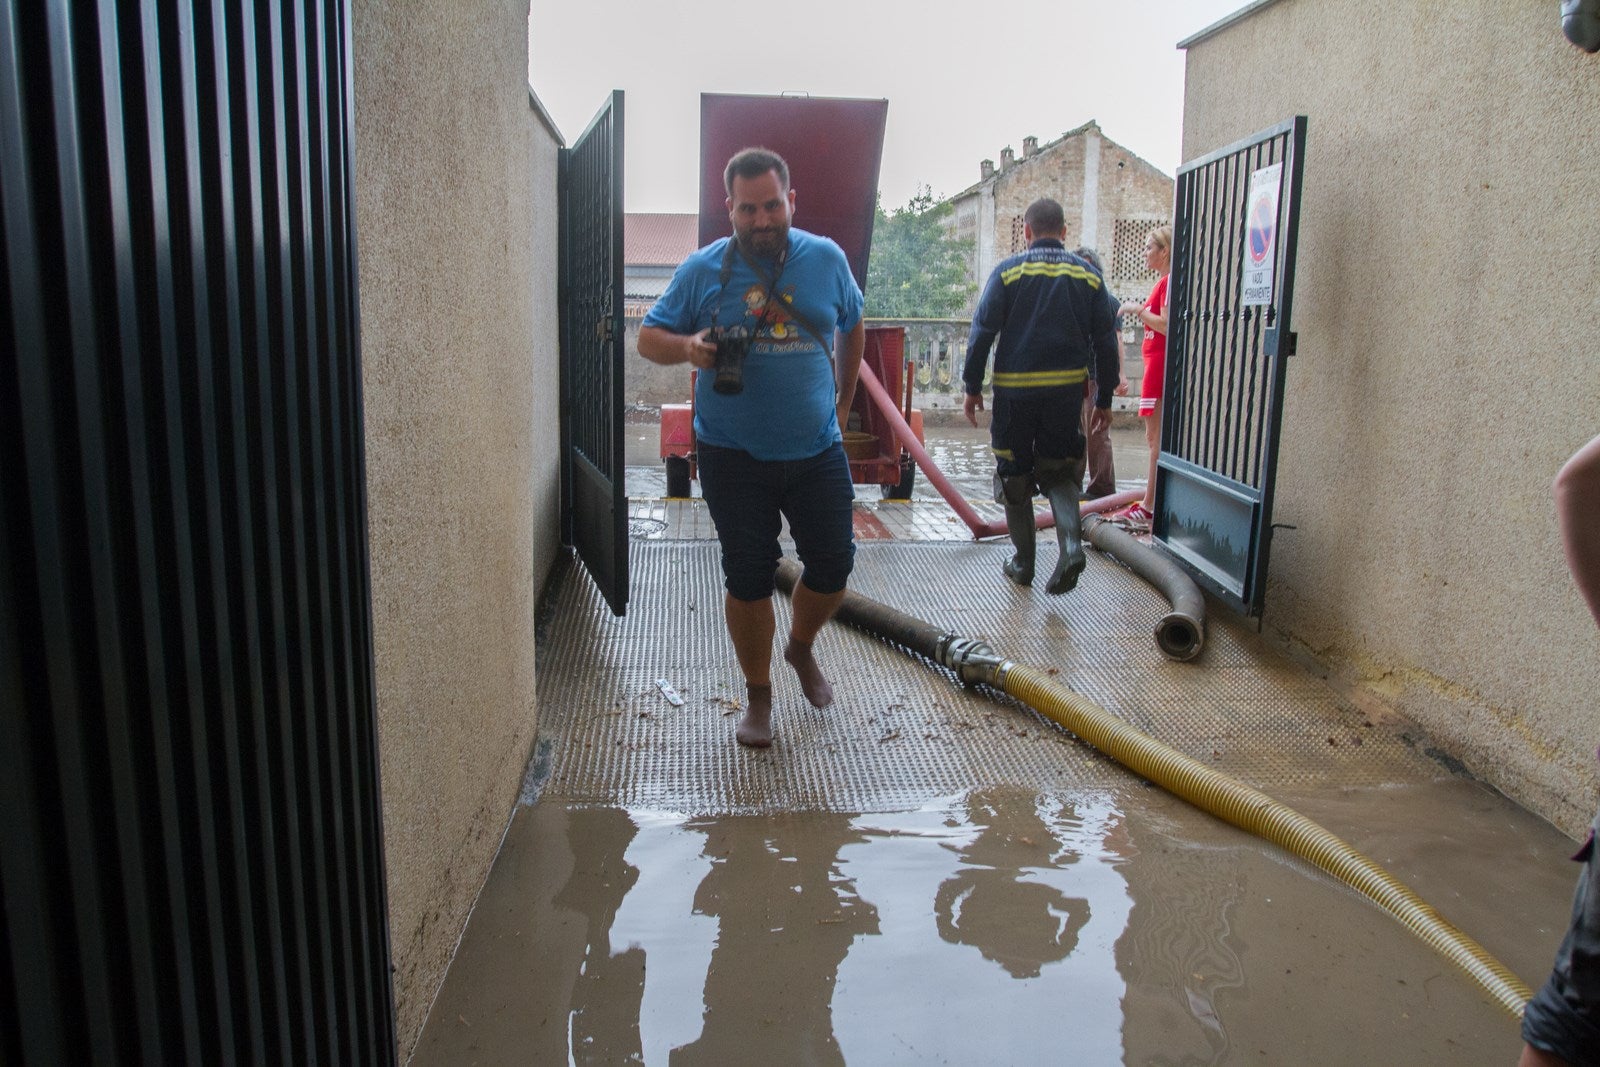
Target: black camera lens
(729, 380)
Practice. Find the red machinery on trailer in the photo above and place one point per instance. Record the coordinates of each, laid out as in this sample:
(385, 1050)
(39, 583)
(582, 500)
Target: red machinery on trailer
(833, 147)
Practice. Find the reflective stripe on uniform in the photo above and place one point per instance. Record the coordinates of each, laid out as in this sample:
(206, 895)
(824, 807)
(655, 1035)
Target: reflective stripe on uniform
(1040, 379)
(1051, 270)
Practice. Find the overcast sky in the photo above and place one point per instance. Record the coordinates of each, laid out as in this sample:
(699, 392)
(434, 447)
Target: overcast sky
(962, 80)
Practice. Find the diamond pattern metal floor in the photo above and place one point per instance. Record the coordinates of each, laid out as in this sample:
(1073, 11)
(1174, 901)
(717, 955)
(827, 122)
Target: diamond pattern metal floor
(902, 731)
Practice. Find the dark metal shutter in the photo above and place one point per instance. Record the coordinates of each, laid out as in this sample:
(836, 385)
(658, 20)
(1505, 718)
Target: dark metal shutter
(190, 845)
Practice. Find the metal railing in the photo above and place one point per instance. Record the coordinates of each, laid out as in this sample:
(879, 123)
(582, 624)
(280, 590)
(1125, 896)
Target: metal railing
(938, 350)
(938, 347)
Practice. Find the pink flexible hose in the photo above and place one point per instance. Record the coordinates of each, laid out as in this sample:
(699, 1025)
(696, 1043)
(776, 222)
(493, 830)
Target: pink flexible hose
(980, 529)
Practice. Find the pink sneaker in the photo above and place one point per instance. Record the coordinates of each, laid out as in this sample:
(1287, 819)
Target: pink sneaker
(1135, 516)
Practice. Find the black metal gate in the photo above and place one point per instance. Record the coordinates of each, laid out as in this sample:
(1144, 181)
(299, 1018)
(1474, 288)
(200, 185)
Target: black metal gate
(1228, 342)
(191, 865)
(594, 497)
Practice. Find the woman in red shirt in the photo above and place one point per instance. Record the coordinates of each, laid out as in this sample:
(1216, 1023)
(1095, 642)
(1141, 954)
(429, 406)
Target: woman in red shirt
(1153, 313)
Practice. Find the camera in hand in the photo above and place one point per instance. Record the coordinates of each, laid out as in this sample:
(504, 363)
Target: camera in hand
(729, 367)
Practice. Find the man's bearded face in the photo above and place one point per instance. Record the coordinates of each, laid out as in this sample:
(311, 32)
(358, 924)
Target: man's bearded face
(760, 210)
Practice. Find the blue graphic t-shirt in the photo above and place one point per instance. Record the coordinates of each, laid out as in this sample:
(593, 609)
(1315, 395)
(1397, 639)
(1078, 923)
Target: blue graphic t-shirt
(787, 408)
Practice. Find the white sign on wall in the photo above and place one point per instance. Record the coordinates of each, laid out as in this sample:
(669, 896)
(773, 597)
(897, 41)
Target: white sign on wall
(1261, 235)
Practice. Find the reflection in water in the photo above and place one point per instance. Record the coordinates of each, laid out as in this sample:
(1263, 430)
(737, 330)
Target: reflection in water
(605, 998)
(660, 917)
(997, 904)
(956, 933)
(1005, 876)
(786, 918)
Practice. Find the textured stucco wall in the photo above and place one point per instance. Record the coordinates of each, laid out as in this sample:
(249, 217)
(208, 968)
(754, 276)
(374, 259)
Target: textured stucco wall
(1446, 309)
(455, 200)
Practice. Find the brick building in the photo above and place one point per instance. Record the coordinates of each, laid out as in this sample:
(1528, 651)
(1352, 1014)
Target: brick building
(1111, 196)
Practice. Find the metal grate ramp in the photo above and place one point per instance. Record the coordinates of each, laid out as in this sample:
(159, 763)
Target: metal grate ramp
(902, 731)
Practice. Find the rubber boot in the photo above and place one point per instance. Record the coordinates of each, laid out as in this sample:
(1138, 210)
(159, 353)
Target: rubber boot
(1016, 493)
(1059, 480)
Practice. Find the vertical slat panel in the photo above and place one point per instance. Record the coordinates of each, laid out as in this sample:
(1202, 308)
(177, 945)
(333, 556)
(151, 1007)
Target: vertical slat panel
(150, 718)
(290, 335)
(218, 104)
(198, 357)
(160, 248)
(296, 751)
(255, 412)
(64, 549)
(37, 1020)
(191, 861)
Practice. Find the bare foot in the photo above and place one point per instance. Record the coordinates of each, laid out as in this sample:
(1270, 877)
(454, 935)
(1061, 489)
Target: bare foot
(815, 686)
(755, 729)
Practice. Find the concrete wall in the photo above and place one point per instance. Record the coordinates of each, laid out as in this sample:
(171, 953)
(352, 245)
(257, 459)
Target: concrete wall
(1446, 309)
(645, 383)
(455, 209)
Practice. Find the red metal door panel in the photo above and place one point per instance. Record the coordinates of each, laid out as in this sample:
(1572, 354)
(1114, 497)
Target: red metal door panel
(833, 147)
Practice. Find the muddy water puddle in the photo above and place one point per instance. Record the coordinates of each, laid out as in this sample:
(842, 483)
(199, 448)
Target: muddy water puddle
(1000, 926)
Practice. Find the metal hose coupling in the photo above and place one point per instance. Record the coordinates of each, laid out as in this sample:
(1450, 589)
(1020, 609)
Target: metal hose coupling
(973, 660)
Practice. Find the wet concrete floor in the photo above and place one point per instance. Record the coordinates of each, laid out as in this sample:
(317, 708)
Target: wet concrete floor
(1001, 924)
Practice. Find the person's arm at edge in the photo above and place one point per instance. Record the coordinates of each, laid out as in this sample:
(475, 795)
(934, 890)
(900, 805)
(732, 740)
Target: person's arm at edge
(1577, 493)
(848, 348)
(1151, 320)
(662, 346)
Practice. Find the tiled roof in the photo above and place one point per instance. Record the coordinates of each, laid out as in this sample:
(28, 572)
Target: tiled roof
(658, 238)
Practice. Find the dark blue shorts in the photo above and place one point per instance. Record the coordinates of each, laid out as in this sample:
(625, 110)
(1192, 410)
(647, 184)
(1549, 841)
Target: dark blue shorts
(1025, 430)
(1563, 1018)
(749, 498)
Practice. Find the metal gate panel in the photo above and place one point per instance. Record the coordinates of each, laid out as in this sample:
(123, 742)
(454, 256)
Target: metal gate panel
(1226, 360)
(595, 506)
(191, 861)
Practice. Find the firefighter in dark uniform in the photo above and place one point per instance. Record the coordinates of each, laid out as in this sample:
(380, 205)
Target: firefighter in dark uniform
(1049, 311)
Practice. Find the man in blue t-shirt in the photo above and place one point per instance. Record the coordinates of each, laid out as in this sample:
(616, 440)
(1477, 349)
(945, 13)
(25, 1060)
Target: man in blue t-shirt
(761, 314)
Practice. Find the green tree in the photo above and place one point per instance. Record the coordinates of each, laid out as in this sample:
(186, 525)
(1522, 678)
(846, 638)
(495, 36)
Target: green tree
(917, 269)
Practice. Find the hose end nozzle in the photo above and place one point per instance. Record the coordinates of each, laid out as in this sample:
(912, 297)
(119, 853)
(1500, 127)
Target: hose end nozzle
(973, 661)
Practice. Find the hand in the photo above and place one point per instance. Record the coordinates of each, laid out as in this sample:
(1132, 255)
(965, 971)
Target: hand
(1122, 387)
(699, 351)
(1130, 307)
(1100, 421)
(971, 406)
(843, 414)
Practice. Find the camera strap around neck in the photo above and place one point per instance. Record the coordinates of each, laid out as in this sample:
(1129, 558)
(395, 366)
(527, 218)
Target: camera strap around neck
(771, 286)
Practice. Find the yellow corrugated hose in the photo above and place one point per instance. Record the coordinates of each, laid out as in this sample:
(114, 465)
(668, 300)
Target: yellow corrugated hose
(1254, 811)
